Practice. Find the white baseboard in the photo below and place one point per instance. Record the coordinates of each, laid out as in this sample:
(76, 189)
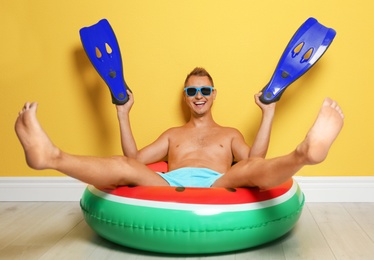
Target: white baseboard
(316, 189)
(337, 189)
(40, 189)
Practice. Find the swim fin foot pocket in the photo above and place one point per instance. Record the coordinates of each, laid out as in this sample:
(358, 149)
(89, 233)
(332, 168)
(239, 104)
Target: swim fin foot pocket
(101, 47)
(305, 48)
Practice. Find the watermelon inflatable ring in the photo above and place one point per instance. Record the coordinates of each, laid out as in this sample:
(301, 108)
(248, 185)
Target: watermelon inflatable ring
(182, 220)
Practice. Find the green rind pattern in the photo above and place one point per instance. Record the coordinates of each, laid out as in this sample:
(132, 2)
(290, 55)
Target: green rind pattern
(186, 232)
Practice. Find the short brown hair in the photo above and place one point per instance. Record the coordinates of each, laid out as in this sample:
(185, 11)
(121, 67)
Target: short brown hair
(200, 72)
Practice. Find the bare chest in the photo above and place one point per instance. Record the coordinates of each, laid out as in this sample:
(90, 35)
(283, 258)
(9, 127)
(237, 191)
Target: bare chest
(200, 142)
(209, 149)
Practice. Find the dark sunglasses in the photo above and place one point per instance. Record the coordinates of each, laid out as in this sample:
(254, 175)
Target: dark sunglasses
(205, 91)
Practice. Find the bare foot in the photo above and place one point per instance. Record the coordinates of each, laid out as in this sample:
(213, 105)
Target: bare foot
(39, 149)
(320, 137)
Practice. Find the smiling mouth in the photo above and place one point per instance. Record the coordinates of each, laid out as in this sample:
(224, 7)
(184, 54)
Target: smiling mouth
(199, 103)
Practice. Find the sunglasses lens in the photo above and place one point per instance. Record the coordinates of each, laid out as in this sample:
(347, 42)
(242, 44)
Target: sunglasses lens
(191, 92)
(206, 91)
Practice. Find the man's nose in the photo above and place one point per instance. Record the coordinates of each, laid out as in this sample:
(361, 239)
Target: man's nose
(198, 94)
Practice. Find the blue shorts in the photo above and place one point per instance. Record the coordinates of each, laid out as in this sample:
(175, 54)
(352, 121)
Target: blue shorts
(191, 177)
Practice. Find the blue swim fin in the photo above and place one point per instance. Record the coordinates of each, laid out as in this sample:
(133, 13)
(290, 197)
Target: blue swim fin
(101, 46)
(305, 48)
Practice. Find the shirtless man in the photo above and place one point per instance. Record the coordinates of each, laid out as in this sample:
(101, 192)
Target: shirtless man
(200, 153)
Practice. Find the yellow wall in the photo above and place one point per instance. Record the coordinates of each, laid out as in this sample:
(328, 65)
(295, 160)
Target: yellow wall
(239, 42)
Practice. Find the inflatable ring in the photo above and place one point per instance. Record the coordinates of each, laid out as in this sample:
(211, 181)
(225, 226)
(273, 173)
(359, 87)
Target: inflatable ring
(182, 220)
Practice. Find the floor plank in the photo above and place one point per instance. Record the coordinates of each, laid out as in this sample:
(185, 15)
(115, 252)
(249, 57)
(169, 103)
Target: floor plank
(79, 243)
(21, 223)
(363, 213)
(306, 240)
(270, 251)
(343, 234)
(40, 229)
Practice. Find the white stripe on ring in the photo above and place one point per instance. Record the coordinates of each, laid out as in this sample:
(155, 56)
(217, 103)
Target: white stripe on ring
(200, 209)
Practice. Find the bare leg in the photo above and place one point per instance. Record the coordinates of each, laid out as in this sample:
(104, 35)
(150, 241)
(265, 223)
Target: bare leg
(109, 172)
(266, 173)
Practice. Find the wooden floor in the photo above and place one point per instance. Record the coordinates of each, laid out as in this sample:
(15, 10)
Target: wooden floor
(56, 230)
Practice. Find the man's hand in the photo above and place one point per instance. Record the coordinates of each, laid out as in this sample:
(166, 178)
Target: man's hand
(125, 109)
(264, 107)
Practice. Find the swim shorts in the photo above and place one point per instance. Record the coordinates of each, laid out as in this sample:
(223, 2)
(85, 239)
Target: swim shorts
(191, 177)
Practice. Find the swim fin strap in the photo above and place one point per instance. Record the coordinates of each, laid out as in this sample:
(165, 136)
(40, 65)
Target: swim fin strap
(101, 46)
(305, 48)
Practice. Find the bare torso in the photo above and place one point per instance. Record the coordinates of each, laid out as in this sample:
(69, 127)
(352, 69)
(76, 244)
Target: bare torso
(202, 147)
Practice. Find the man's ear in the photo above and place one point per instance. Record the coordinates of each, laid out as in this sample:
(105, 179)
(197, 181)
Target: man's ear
(214, 93)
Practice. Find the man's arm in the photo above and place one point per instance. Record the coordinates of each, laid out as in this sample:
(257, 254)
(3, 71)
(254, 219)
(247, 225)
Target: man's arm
(128, 144)
(149, 154)
(156, 151)
(262, 140)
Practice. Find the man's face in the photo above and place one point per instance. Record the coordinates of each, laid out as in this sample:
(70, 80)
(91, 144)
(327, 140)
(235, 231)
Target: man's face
(199, 104)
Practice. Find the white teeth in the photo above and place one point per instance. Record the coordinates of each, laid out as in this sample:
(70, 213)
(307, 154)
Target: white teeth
(199, 103)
